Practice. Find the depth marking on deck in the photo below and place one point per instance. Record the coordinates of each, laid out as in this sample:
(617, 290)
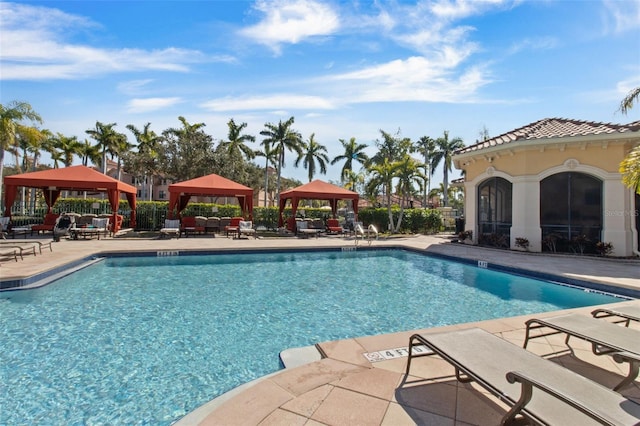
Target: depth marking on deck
(388, 354)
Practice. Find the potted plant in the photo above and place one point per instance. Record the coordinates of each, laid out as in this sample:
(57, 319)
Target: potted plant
(523, 243)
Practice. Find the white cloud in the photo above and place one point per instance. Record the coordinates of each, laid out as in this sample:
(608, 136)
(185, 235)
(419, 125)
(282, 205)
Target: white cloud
(268, 102)
(414, 79)
(291, 21)
(459, 9)
(625, 15)
(151, 104)
(541, 43)
(33, 47)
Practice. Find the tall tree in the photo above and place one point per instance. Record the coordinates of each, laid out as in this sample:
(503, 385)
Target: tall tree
(425, 146)
(187, 151)
(89, 153)
(407, 172)
(630, 166)
(352, 152)
(282, 137)
(313, 152)
(236, 150)
(443, 153)
(270, 155)
(382, 176)
(144, 162)
(236, 144)
(627, 103)
(108, 141)
(67, 147)
(10, 117)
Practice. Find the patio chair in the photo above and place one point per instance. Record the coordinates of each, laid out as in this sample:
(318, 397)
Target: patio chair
(536, 389)
(4, 226)
(48, 224)
(303, 230)
(334, 227)
(606, 339)
(224, 222)
(232, 227)
(190, 225)
(171, 228)
(624, 314)
(212, 225)
(245, 227)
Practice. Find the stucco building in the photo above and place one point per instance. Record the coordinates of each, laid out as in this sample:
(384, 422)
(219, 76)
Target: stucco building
(556, 183)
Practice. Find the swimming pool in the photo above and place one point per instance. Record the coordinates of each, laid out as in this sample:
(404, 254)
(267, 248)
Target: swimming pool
(145, 340)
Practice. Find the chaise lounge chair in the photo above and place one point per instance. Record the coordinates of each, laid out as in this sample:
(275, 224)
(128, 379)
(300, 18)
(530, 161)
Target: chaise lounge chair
(606, 339)
(625, 313)
(547, 393)
(303, 230)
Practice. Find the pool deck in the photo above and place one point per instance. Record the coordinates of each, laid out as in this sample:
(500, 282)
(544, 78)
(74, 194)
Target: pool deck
(344, 388)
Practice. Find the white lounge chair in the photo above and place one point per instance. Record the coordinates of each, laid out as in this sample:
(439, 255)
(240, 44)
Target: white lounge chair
(537, 389)
(171, 228)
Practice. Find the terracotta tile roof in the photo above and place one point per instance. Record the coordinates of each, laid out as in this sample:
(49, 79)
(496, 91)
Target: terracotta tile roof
(550, 128)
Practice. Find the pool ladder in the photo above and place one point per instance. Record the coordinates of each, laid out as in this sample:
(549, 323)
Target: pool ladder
(368, 234)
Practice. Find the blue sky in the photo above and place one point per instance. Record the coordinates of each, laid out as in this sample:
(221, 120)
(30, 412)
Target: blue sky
(342, 68)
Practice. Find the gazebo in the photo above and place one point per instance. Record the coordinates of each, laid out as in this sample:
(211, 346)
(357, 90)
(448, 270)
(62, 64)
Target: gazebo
(72, 178)
(317, 190)
(212, 185)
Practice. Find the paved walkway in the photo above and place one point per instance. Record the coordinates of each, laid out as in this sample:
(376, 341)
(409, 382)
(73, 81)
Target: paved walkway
(344, 388)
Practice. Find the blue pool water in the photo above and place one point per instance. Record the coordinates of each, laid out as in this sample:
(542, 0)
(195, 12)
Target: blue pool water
(146, 340)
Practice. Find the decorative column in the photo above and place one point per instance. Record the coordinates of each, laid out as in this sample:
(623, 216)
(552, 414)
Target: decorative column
(525, 220)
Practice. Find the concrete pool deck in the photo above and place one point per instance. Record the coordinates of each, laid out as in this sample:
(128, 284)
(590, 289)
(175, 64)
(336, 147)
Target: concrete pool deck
(344, 387)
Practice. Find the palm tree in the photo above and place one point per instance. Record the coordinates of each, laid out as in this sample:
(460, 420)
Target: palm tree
(443, 153)
(408, 173)
(352, 152)
(282, 137)
(236, 145)
(382, 176)
(67, 147)
(89, 153)
(108, 141)
(630, 169)
(271, 157)
(630, 166)
(10, 117)
(353, 180)
(236, 150)
(148, 143)
(425, 146)
(629, 100)
(313, 152)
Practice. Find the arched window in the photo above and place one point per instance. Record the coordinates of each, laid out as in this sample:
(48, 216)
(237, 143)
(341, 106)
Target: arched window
(494, 212)
(570, 210)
